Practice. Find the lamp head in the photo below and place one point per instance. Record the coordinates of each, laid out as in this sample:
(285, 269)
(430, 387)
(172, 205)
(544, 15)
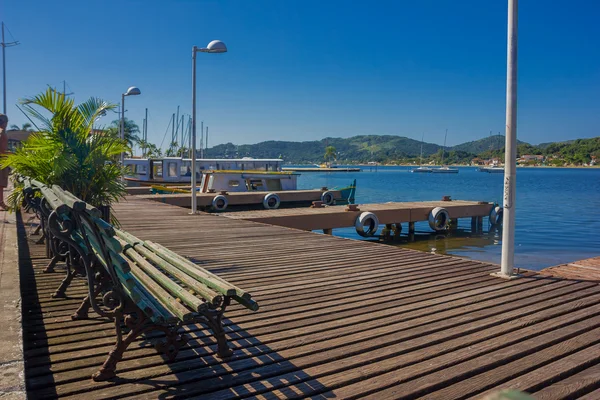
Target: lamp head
(216, 46)
(132, 91)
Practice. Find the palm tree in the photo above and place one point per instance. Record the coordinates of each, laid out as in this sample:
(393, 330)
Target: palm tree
(172, 150)
(130, 131)
(149, 149)
(65, 153)
(329, 154)
(26, 127)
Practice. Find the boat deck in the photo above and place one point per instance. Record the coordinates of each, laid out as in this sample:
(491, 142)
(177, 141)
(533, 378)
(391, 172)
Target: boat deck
(338, 319)
(307, 218)
(320, 169)
(240, 198)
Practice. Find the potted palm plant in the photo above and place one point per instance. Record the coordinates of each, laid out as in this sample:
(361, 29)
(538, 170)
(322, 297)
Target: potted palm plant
(66, 151)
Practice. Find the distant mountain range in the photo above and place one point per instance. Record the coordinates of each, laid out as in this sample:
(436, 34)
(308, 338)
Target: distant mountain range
(364, 148)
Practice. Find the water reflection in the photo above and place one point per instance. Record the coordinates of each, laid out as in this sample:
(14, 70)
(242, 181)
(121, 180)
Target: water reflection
(451, 242)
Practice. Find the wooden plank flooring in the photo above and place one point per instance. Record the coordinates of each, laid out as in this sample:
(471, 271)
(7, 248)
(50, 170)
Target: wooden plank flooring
(588, 269)
(311, 219)
(338, 319)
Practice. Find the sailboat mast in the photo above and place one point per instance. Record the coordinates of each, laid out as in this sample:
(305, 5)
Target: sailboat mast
(421, 156)
(444, 148)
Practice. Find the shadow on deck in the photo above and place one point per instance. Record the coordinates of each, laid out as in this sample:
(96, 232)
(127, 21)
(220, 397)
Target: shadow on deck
(62, 354)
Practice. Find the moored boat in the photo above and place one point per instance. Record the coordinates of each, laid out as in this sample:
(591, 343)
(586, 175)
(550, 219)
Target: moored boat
(175, 171)
(444, 170)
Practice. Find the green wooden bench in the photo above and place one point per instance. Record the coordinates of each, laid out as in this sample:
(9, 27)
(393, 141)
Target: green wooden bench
(142, 286)
(43, 201)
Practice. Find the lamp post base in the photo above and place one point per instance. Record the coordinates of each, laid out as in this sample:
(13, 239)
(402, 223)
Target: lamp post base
(504, 276)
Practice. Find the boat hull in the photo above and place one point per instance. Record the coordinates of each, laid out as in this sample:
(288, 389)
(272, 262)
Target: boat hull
(444, 171)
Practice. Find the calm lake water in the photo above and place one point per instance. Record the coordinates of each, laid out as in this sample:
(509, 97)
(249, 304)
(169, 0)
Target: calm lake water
(558, 210)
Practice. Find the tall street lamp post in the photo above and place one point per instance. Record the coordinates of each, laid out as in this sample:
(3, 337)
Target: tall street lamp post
(132, 91)
(216, 46)
(510, 168)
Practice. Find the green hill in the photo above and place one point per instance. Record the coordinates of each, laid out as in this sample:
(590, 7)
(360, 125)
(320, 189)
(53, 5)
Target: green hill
(355, 149)
(492, 143)
(387, 148)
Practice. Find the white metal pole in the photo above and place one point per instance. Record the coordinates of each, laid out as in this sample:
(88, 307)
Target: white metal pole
(3, 71)
(122, 133)
(194, 204)
(510, 168)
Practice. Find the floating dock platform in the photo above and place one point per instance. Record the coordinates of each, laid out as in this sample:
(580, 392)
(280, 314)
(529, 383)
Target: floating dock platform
(327, 218)
(339, 319)
(319, 169)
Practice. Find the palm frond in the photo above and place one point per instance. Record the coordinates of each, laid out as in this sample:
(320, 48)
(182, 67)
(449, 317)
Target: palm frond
(67, 153)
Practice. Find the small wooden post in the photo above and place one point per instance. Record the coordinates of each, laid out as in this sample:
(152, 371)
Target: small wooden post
(328, 231)
(387, 232)
(397, 228)
(479, 224)
(453, 223)
(411, 227)
(473, 224)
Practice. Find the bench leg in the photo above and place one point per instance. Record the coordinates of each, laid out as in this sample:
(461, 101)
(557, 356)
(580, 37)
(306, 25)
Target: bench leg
(84, 308)
(61, 291)
(215, 323)
(138, 325)
(52, 264)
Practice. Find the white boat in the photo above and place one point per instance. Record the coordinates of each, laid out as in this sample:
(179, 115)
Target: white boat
(258, 181)
(178, 171)
(444, 169)
(247, 181)
(492, 170)
(421, 168)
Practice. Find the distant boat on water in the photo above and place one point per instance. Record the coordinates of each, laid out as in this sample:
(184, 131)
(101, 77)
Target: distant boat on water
(421, 168)
(492, 170)
(444, 169)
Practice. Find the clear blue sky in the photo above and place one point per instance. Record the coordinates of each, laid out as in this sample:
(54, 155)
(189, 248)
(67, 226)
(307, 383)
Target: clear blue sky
(304, 70)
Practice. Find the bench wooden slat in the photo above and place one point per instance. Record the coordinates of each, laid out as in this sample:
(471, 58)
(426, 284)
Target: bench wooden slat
(215, 282)
(144, 299)
(102, 224)
(203, 290)
(189, 268)
(112, 246)
(55, 203)
(248, 303)
(163, 296)
(165, 282)
(76, 203)
(72, 202)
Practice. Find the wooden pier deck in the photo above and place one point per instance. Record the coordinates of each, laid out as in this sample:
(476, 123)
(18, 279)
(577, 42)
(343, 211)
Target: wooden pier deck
(307, 218)
(588, 269)
(338, 319)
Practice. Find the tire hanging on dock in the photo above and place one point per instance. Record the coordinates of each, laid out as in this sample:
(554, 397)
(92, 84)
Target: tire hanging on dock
(219, 203)
(369, 221)
(271, 201)
(327, 198)
(439, 219)
(496, 216)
